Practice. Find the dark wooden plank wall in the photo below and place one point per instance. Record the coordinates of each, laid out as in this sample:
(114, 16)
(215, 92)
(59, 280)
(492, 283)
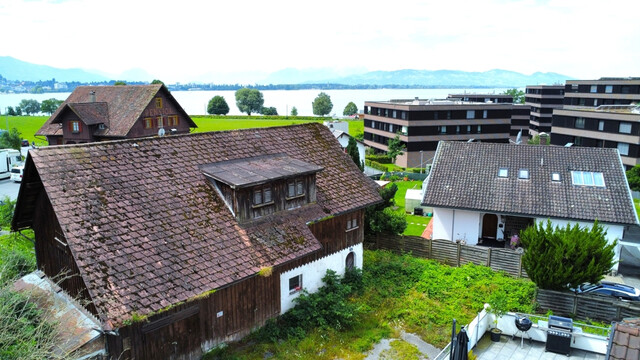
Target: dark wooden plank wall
(334, 235)
(53, 257)
(169, 108)
(178, 333)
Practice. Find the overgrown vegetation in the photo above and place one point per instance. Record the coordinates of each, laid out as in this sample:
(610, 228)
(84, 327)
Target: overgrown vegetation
(558, 258)
(382, 218)
(25, 333)
(399, 292)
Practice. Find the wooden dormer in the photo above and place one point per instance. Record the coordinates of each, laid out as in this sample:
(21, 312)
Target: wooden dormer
(259, 186)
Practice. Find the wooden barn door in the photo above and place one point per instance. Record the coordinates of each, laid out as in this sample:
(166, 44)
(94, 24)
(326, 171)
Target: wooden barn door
(174, 337)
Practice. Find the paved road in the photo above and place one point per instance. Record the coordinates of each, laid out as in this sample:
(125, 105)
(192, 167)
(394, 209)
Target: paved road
(9, 188)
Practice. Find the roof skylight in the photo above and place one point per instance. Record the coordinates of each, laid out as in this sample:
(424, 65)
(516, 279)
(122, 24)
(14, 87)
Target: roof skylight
(587, 178)
(503, 172)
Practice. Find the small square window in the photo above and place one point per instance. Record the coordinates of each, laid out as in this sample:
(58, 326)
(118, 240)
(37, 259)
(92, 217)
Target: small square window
(295, 284)
(594, 88)
(471, 114)
(555, 176)
(580, 123)
(257, 197)
(608, 89)
(503, 172)
(523, 174)
(158, 103)
(623, 148)
(352, 223)
(625, 128)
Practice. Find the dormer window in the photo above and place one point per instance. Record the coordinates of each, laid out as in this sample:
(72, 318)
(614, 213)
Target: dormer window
(295, 188)
(503, 172)
(523, 174)
(262, 196)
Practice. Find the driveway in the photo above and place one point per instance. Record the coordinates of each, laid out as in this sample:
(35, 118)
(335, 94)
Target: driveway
(9, 188)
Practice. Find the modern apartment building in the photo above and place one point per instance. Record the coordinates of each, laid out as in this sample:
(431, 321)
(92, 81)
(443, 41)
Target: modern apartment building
(495, 98)
(420, 124)
(520, 121)
(601, 113)
(542, 99)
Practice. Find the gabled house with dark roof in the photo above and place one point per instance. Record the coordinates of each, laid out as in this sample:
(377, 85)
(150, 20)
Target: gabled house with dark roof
(492, 191)
(182, 242)
(99, 113)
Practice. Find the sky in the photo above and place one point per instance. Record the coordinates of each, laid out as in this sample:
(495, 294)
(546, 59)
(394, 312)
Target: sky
(195, 40)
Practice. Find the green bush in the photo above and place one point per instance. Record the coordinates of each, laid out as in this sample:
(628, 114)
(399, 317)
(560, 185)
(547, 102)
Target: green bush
(6, 211)
(558, 258)
(382, 159)
(329, 307)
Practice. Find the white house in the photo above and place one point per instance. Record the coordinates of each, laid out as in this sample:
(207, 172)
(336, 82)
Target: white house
(482, 191)
(343, 139)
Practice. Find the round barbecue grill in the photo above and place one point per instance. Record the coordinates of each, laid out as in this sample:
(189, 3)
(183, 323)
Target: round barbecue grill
(523, 324)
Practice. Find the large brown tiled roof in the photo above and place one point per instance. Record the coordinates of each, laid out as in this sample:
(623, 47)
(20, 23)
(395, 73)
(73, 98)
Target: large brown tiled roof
(148, 230)
(625, 344)
(125, 104)
(465, 176)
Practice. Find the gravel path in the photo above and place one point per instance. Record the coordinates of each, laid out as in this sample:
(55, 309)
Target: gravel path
(429, 351)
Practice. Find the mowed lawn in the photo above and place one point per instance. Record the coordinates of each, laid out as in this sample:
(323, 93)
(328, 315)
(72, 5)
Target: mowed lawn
(29, 125)
(415, 224)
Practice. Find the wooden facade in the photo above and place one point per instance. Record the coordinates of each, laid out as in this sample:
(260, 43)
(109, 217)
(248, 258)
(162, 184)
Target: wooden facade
(182, 332)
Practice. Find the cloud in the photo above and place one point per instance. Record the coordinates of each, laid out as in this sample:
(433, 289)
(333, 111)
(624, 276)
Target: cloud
(180, 41)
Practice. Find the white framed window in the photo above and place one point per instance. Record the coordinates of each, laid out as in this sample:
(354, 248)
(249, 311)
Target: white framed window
(587, 178)
(601, 125)
(594, 88)
(471, 114)
(503, 172)
(295, 284)
(580, 123)
(608, 89)
(523, 174)
(352, 224)
(625, 128)
(623, 148)
(443, 129)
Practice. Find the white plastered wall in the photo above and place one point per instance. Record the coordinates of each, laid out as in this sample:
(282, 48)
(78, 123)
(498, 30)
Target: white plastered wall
(312, 274)
(456, 225)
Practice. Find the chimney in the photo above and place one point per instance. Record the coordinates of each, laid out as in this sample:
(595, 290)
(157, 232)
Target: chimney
(92, 96)
(544, 138)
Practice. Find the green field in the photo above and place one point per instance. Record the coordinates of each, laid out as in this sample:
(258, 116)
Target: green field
(415, 224)
(29, 125)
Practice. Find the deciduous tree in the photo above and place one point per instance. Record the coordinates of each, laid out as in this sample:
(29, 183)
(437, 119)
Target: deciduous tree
(269, 110)
(10, 139)
(558, 258)
(322, 104)
(30, 106)
(350, 109)
(518, 95)
(633, 177)
(49, 106)
(249, 100)
(294, 111)
(395, 148)
(218, 106)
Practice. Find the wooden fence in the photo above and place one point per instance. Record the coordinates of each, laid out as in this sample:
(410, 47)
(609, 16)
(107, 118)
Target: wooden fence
(586, 306)
(451, 253)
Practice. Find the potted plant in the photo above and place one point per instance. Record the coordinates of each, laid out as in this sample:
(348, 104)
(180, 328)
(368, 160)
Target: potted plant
(498, 307)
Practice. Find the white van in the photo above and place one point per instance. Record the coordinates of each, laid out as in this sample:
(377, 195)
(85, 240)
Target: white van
(16, 172)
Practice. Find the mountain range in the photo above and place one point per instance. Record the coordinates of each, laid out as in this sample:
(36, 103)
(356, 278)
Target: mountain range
(14, 69)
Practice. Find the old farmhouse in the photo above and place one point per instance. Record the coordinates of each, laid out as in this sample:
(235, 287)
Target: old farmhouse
(98, 113)
(182, 242)
(485, 191)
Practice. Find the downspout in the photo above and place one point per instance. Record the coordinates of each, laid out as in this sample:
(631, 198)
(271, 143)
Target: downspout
(453, 222)
(613, 330)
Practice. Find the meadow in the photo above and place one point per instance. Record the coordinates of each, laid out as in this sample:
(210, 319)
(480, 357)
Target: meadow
(29, 125)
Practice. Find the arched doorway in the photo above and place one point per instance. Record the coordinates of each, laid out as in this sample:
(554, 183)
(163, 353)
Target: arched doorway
(489, 226)
(350, 262)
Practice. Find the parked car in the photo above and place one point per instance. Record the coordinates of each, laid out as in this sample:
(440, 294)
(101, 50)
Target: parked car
(620, 291)
(24, 143)
(17, 172)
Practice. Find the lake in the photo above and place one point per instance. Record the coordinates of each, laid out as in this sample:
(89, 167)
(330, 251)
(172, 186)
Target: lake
(195, 102)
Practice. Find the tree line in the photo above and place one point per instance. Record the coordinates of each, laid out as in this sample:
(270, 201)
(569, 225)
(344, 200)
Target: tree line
(250, 100)
(31, 106)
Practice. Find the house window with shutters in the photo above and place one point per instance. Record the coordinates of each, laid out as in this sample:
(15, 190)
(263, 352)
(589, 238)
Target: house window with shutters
(160, 122)
(75, 126)
(173, 120)
(148, 123)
